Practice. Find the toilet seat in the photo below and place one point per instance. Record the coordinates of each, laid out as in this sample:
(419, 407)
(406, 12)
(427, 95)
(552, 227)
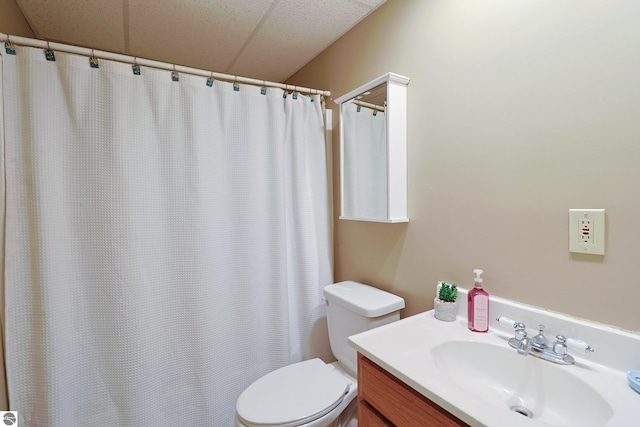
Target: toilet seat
(293, 395)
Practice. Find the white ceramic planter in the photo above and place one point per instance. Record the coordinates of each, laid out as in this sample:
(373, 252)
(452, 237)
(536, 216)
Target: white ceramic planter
(445, 311)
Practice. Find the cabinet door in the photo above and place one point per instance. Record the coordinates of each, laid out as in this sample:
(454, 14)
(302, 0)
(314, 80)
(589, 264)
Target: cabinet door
(398, 403)
(367, 417)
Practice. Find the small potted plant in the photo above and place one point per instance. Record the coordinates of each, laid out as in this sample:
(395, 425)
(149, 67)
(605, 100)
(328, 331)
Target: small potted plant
(445, 305)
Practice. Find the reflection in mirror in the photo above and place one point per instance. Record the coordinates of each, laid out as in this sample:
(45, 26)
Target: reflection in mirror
(365, 155)
(373, 180)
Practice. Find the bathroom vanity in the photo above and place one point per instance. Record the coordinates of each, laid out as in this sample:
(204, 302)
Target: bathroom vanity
(420, 371)
(384, 400)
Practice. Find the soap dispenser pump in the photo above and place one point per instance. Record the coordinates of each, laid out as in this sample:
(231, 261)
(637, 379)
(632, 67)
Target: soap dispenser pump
(478, 305)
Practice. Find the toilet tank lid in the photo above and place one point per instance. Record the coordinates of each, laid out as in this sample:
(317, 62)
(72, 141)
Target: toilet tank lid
(363, 299)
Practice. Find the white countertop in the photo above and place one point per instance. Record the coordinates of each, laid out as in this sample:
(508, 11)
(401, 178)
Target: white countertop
(404, 348)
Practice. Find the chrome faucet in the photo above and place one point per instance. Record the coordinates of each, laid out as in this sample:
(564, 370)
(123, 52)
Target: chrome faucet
(539, 345)
(540, 341)
(522, 343)
(524, 346)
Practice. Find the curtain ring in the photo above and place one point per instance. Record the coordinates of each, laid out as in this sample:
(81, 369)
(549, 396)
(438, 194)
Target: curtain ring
(175, 76)
(49, 54)
(135, 67)
(93, 61)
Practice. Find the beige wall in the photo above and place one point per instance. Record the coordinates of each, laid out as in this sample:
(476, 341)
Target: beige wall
(518, 111)
(12, 20)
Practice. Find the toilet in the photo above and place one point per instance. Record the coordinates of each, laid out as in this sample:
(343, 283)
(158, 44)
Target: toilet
(313, 393)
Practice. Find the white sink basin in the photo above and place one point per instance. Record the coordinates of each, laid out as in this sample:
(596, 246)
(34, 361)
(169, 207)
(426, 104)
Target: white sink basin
(479, 378)
(529, 386)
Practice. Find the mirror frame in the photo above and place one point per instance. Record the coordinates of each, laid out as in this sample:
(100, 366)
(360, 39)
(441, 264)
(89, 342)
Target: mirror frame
(396, 115)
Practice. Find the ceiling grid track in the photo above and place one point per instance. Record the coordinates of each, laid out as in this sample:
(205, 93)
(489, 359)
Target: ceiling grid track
(252, 35)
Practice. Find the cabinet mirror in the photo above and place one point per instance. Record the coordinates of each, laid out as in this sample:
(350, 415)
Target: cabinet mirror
(373, 151)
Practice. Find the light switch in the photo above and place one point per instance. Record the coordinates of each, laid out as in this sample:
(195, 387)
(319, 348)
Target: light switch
(586, 231)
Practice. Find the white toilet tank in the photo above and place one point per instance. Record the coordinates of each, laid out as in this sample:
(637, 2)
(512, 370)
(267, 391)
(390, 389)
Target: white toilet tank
(353, 308)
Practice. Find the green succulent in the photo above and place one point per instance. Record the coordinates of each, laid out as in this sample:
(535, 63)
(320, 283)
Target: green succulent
(448, 293)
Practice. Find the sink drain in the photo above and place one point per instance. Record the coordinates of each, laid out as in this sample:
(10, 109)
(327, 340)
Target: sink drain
(522, 411)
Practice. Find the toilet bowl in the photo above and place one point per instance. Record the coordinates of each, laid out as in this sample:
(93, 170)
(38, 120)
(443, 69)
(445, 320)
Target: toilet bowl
(310, 394)
(313, 393)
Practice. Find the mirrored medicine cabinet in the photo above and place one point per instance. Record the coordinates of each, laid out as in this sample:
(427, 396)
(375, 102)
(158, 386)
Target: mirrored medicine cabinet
(373, 151)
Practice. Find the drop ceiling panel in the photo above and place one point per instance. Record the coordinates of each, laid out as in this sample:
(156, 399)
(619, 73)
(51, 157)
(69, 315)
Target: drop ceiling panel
(91, 23)
(263, 39)
(295, 32)
(199, 33)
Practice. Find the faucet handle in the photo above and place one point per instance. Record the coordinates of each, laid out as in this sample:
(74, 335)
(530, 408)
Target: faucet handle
(521, 331)
(505, 322)
(560, 346)
(579, 346)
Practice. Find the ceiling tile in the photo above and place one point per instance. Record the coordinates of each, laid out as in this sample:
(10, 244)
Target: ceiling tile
(294, 33)
(91, 23)
(199, 33)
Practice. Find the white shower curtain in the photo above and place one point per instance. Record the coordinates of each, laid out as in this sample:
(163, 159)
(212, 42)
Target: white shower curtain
(166, 242)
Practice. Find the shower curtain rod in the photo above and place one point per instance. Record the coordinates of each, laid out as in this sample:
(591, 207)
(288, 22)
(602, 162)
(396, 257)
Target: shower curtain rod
(101, 54)
(369, 105)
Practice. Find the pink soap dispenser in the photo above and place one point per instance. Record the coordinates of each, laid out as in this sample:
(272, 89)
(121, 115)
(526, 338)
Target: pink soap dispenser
(478, 305)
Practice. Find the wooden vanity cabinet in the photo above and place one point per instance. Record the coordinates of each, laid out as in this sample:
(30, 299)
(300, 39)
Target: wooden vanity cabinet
(385, 401)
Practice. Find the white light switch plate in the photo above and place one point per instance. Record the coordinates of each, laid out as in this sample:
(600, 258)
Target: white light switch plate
(586, 231)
